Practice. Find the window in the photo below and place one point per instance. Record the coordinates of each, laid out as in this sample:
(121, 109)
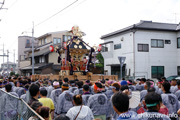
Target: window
(41, 59)
(45, 40)
(157, 71)
(178, 43)
(157, 43)
(167, 41)
(59, 40)
(54, 41)
(178, 70)
(69, 37)
(117, 46)
(28, 44)
(143, 47)
(105, 47)
(66, 38)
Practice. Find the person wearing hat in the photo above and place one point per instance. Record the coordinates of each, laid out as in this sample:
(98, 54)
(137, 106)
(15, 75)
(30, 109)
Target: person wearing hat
(123, 82)
(98, 102)
(152, 101)
(55, 93)
(64, 102)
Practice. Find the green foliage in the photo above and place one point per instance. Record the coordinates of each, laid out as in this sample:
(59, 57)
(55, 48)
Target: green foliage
(100, 65)
(17, 75)
(12, 73)
(100, 59)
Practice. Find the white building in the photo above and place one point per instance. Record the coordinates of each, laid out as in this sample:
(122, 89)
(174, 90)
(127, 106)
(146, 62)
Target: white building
(151, 50)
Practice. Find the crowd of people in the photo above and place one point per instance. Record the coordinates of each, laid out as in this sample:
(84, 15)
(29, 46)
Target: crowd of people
(83, 100)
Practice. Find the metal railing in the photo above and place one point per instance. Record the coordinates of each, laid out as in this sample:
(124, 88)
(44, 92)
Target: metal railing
(15, 108)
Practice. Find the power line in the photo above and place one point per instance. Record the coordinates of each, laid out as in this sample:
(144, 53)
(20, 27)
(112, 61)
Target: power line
(2, 4)
(57, 13)
(8, 9)
(54, 15)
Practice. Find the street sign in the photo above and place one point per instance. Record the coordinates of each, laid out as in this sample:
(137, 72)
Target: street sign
(121, 60)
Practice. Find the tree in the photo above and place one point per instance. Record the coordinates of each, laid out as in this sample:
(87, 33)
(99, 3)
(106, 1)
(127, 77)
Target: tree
(12, 73)
(101, 60)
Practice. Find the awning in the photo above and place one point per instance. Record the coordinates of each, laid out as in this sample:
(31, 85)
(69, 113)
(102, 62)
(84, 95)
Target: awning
(41, 52)
(106, 42)
(37, 66)
(113, 65)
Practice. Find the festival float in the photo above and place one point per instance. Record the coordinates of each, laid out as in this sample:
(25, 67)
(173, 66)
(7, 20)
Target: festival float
(75, 57)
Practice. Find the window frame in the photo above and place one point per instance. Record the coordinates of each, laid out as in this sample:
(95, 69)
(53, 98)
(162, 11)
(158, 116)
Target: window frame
(157, 43)
(157, 71)
(67, 36)
(54, 40)
(167, 41)
(178, 73)
(177, 42)
(142, 47)
(116, 48)
(57, 40)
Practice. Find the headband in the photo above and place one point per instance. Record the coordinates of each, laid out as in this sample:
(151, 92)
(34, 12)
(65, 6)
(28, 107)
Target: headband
(65, 87)
(96, 88)
(114, 88)
(73, 84)
(160, 82)
(55, 83)
(151, 105)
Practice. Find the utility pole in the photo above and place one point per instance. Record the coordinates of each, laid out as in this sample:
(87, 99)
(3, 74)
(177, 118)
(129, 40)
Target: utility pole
(14, 56)
(3, 59)
(8, 62)
(14, 61)
(33, 49)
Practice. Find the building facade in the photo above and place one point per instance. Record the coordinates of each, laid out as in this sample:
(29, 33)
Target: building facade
(8, 67)
(24, 43)
(151, 50)
(46, 62)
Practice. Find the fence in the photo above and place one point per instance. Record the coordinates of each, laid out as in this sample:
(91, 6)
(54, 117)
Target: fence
(15, 108)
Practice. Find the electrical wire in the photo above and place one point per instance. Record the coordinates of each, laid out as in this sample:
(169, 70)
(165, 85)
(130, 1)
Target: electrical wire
(2, 4)
(56, 13)
(53, 15)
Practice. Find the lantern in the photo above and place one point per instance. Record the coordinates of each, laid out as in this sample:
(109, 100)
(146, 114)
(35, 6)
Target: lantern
(51, 48)
(65, 45)
(99, 47)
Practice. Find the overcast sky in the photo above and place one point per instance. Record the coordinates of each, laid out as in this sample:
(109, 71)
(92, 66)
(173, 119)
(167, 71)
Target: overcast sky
(94, 17)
